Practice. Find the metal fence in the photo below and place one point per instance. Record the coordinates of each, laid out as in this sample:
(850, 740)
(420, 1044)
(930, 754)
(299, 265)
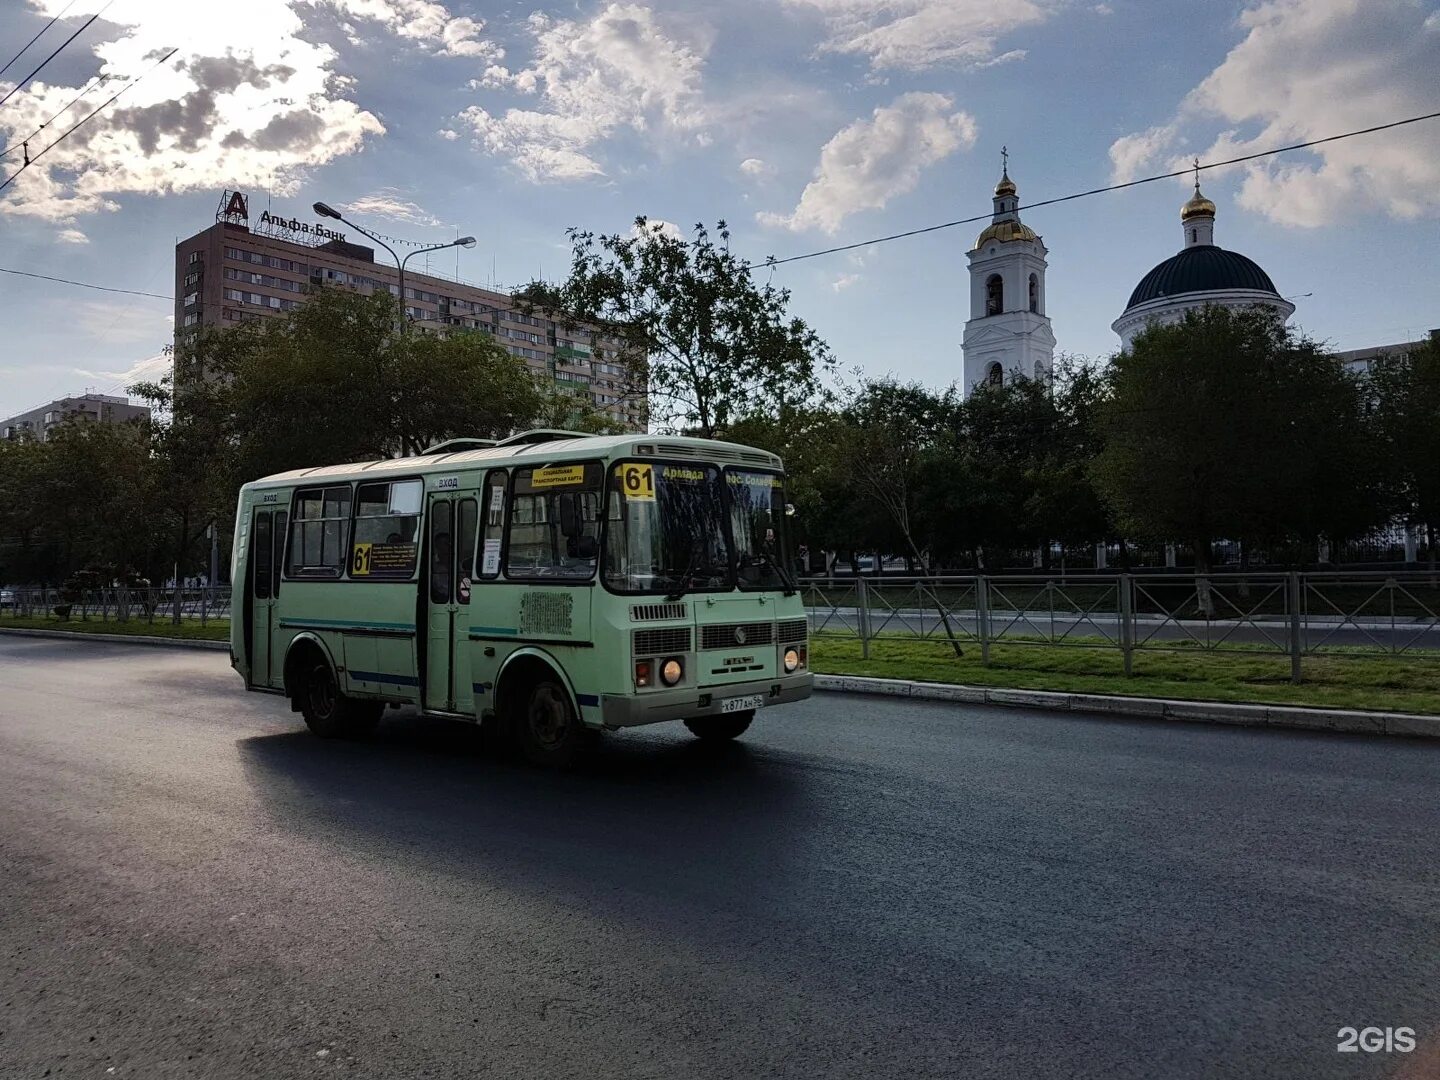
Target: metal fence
(1287, 614)
(149, 605)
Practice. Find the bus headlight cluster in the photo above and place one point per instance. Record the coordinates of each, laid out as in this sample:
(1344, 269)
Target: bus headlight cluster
(795, 658)
(672, 671)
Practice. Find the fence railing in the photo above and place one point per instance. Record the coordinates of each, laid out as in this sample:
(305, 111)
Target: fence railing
(1286, 614)
(149, 605)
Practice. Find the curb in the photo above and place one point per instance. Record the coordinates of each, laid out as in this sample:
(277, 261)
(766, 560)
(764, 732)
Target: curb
(126, 639)
(1204, 712)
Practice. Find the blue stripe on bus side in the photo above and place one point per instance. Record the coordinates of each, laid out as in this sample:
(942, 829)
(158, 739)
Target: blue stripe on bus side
(379, 676)
(493, 630)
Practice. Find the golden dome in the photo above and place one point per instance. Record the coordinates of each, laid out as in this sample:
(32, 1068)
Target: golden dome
(1003, 231)
(1197, 206)
(1006, 186)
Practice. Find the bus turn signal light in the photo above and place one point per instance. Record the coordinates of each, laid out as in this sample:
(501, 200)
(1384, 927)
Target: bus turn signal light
(642, 673)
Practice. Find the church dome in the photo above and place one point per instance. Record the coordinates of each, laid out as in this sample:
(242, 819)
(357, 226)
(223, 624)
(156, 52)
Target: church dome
(1197, 205)
(1201, 268)
(1003, 231)
(1006, 186)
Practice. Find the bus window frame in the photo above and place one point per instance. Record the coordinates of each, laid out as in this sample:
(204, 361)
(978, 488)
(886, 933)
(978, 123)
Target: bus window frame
(732, 557)
(729, 525)
(483, 493)
(423, 524)
(344, 568)
(515, 470)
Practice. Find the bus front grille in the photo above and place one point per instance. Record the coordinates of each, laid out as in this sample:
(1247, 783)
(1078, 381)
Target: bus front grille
(791, 630)
(729, 635)
(673, 639)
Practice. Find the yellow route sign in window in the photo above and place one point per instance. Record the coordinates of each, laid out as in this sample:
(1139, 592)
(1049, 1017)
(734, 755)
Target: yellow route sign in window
(360, 560)
(638, 482)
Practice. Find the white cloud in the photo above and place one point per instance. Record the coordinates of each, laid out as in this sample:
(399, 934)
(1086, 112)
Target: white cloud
(870, 161)
(245, 101)
(620, 70)
(150, 368)
(448, 134)
(72, 236)
(1304, 70)
(917, 34)
(422, 21)
(844, 281)
(387, 203)
(119, 323)
(660, 227)
(756, 168)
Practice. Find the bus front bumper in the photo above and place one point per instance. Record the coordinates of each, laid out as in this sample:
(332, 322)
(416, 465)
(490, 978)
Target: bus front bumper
(621, 710)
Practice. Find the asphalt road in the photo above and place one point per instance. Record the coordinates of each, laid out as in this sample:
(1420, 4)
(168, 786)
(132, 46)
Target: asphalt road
(192, 886)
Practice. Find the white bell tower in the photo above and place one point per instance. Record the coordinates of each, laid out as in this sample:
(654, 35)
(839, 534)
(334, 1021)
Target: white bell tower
(1008, 333)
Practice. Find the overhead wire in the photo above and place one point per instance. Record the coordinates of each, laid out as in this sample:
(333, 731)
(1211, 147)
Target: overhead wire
(16, 88)
(104, 104)
(18, 143)
(57, 17)
(772, 262)
(83, 284)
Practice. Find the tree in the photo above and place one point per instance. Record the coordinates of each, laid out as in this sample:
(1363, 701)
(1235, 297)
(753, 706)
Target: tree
(690, 322)
(1406, 394)
(1229, 424)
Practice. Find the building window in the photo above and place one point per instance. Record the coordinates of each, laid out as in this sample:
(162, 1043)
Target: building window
(994, 295)
(994, 376)
(1194, 234)
(1034, 294)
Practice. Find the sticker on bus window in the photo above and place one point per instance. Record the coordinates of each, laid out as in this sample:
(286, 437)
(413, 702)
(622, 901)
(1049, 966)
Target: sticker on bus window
(558, 476)
(684, 475)
(360, 560)
(497, 498)
(638, 482)
(490, 560)
(755, 479)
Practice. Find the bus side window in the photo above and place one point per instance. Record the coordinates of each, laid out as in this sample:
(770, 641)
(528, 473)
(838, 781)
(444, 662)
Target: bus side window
(493, 508)
(465, 529)
(281, 518)
(263, 556)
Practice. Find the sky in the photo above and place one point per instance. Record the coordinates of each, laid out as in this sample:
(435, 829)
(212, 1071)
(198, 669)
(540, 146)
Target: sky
(803, 124)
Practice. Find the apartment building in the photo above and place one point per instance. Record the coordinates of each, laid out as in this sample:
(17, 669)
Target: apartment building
(238, 269)
(94, 408)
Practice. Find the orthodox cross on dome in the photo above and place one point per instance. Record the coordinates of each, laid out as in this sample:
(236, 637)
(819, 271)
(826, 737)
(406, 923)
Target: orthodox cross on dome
(1197, 176)
(1004, 161)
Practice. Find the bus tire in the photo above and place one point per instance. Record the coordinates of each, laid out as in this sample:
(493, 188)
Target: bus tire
(546, 726)
(720, 728)
(328, 712)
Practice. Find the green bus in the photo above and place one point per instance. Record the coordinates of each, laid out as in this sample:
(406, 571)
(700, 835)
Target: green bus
(552, 584)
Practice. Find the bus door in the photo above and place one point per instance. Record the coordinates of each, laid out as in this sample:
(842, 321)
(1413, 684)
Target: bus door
(446, 584)
(267, 550)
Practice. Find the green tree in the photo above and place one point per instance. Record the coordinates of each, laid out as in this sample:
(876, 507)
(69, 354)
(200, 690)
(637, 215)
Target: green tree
(1229, 424)
(693, 327)
(1406, 394)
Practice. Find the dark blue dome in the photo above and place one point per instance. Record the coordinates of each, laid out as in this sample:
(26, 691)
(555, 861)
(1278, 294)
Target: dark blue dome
(1202, 268)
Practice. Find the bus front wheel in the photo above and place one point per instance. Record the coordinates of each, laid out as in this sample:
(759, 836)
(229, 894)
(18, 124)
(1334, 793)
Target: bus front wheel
(719, 728)
(549, 731)
(328, 712)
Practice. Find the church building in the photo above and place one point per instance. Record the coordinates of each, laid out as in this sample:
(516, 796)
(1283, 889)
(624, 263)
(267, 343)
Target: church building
(1200, 274)
(1008, 333)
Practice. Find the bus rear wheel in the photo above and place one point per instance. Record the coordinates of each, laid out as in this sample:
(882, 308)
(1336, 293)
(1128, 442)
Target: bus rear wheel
(328, 712)
(720, 728)
(547, 728)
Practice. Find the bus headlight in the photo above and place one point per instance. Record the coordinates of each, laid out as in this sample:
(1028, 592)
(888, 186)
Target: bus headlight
(792, 659)
(672, 671)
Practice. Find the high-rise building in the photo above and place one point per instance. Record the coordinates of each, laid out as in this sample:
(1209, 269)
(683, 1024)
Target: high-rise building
(89, 408)
(236, 270)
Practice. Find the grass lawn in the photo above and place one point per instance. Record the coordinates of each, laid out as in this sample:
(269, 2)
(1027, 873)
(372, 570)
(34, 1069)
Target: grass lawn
(1409, 683)
(190, 629)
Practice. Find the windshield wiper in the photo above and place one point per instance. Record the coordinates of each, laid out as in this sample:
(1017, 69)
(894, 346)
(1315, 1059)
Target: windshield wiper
(681, 585)
(760, 558)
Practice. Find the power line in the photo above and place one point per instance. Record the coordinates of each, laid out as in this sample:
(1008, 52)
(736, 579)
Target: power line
(11, 179)
(16, 88)
(37, 37)
(59, 112)
(1096, 191)
(82, 284)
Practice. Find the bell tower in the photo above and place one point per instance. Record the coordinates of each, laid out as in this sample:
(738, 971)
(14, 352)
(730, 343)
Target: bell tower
(1008, 333)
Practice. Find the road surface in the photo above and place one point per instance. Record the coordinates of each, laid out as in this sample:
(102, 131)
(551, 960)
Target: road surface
(192, 886)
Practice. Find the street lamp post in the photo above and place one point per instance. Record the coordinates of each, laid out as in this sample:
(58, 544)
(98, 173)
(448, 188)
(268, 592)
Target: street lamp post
(325, 210)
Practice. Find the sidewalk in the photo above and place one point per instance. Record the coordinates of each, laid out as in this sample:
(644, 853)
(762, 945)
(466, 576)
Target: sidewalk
(1205, 712)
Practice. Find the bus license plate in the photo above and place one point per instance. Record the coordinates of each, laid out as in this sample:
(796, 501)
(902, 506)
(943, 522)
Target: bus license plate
(742, 704)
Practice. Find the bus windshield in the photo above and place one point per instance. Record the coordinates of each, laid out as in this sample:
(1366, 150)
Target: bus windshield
(757, 522)
(666, 530)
